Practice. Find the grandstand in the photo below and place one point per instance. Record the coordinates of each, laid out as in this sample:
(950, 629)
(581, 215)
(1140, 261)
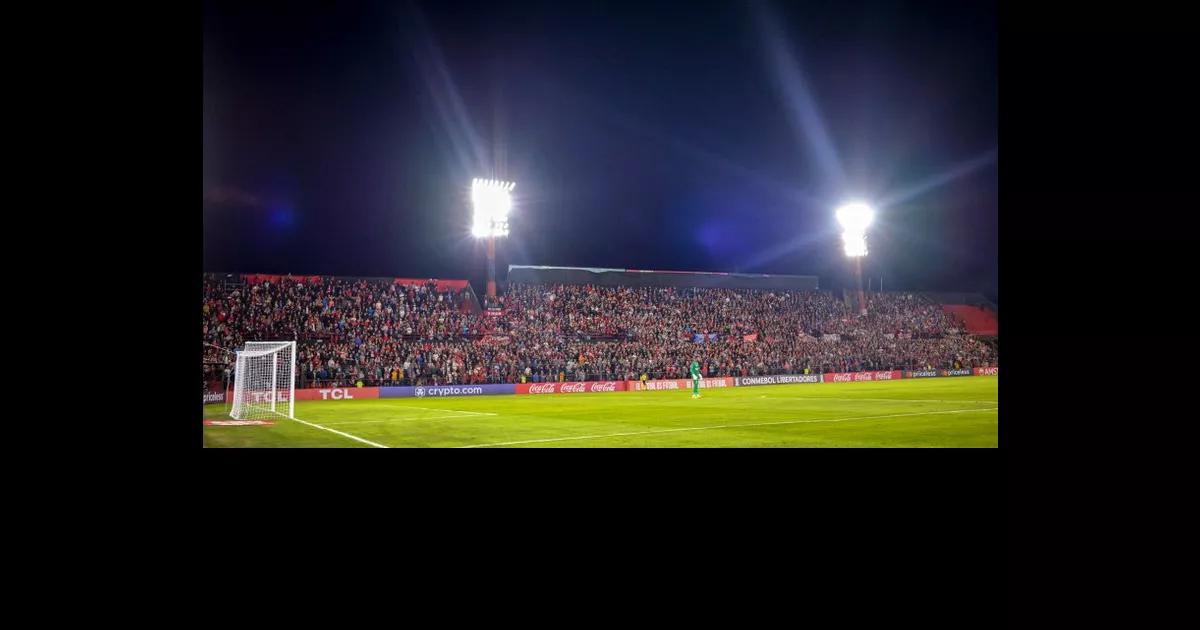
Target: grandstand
(575, 324)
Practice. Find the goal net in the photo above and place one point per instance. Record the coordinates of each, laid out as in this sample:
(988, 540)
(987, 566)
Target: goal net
(264, 380)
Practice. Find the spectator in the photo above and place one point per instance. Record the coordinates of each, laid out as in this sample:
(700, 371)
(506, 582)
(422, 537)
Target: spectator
(360, 331)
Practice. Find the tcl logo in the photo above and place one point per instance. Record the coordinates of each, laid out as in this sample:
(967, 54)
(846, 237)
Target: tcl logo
(335, 394)
(266, 396)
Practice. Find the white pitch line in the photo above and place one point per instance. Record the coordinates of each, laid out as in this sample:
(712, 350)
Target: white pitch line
(474, 413)
(887, 399)
(724, 426)
(323, 428)
(459, 417)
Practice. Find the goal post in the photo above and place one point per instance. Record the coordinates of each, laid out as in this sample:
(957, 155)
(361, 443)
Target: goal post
(264, 380)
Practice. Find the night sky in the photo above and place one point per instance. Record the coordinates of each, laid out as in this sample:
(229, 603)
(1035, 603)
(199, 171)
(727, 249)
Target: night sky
(341, 138)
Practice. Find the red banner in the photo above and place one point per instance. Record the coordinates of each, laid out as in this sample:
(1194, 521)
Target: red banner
(442, 285)
(850, 377)
(571, 387)
(986, 371)
(337, 393)
(678, 383)
(256, 278)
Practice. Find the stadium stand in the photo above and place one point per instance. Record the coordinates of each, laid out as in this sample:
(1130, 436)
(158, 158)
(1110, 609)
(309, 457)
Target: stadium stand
(977, 320)
(384, 331)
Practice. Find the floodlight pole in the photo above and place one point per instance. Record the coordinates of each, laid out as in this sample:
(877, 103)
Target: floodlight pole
(862, 302)
(491, 281)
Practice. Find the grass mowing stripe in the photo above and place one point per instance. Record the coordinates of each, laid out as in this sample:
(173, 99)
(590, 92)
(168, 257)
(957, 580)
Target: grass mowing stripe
(932, 400)
(726, 426)
(403, 418)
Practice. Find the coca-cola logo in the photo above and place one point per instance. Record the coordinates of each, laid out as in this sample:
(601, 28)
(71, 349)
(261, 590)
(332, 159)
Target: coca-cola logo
(847, 377)
(604, 387)
(577, 388)
(542, 388)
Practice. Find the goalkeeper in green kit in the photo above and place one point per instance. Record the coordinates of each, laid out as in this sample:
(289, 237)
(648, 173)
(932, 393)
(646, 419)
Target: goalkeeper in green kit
(695, 371)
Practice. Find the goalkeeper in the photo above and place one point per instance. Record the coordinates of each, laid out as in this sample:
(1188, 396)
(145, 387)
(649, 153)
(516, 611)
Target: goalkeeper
(695, 371)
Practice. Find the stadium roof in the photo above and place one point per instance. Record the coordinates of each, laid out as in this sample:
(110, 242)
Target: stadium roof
(542, 274)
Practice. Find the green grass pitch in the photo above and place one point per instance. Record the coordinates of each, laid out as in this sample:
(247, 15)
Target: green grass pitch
(936, 412)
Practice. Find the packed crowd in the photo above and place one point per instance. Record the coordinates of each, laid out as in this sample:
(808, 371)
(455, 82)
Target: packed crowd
(378, 333)
(346, 330)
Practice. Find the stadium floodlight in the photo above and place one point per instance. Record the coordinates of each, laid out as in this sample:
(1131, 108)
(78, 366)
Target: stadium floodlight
(492, 201)
(855, 217)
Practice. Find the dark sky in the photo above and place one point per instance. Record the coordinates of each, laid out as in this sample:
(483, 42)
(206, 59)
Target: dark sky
(341, 137)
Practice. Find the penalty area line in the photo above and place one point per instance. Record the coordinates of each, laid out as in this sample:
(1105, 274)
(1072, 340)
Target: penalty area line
(341, 433)
(407, 419)
(724, 426)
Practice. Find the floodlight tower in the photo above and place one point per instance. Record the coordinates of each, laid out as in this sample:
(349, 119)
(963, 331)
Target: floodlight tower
(855, 217)
(492, 201)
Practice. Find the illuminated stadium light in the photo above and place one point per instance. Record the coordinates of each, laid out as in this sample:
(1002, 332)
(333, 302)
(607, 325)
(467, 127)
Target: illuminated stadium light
(855, 245)
(492, 201)
(855, 217)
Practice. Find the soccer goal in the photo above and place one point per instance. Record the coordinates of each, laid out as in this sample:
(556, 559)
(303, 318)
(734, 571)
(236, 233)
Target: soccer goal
(264, 380)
